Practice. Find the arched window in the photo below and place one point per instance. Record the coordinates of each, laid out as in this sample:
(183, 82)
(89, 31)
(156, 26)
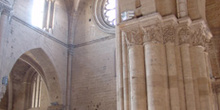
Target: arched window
(36, 91)
(43, 13)
(38, 13)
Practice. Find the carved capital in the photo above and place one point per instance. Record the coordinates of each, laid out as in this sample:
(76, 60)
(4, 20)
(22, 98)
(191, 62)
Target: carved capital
(133, 37)
(169, 34)
(6, 10)
(199, 37)
(184, 35)
(153, 34)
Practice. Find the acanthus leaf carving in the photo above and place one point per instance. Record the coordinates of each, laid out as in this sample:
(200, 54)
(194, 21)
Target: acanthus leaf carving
(169, 33)
(184, 35)
(153, 34)
(134, 37)
(199, 37)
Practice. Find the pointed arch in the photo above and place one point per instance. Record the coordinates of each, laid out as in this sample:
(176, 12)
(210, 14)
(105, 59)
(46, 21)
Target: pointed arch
(38, 61)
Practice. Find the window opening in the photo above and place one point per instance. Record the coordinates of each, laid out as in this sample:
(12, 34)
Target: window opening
(43, 14)
(105, 15)
(109, 12)
(36, 91)
(37, 13)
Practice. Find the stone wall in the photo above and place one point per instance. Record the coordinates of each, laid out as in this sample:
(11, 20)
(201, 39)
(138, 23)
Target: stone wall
(19, 36)
(93, 70)
(45, 101)
(23, 10)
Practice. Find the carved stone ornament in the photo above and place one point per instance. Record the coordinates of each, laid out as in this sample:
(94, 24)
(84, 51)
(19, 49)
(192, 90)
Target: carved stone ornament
(199, 37)
(133, 37)
(184, 35)
(169, 33)
(153, 34)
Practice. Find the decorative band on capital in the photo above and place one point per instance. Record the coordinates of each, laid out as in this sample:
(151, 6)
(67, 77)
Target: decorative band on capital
(133, 37)
(153, 33)
(195, 35)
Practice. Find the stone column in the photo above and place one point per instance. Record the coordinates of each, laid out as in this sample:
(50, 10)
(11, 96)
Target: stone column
(4, 12)
(169, 40)
(136, 69)
(215, 98)
(156, 68)
(119, 70)
(195, 54)
(181, 87)
(210, 78)
(126, 77)
(176, 69)
(184, 38)
(4, 22)
(199, 66)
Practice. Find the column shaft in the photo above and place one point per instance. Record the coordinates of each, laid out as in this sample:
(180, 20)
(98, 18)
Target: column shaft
(195, 75)
(188, 79)
(180, 79)
(119, 80)
(199, 69)
(125, 75)
(156, 73)
(209, 73)
(172, 76)
(137, 78)
(3, 26)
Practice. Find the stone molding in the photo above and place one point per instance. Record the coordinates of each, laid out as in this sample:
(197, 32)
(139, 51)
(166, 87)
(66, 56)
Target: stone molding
(166, 30)
(40, 31)
(56, 107)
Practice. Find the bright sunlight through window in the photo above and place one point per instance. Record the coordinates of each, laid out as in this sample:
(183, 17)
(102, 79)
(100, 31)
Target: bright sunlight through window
(109, 12)
(37, 13)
